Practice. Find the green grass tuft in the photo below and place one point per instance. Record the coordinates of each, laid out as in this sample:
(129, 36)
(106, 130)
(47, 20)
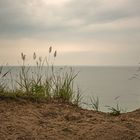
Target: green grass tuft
(115, 111)
(94, 103)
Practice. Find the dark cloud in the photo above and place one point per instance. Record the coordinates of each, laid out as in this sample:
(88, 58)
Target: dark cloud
(30, 18)
(102, 11)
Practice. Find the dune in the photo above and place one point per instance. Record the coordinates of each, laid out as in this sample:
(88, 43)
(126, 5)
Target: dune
(28, 120)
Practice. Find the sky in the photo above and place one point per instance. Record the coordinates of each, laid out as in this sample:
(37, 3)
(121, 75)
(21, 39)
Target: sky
(84, 32)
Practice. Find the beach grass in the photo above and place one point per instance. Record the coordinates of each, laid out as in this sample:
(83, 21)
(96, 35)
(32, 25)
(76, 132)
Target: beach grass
(41, 82)
(116, 111)
(94, 103)
(45, 82)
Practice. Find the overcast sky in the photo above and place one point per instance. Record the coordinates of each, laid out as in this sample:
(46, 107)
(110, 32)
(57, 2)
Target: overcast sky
(84, 32)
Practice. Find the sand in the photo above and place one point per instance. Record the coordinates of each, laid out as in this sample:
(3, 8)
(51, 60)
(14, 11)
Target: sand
(26, 120)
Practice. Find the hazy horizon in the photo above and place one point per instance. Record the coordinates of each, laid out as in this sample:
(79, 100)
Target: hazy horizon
(45, 65)
(91, 32)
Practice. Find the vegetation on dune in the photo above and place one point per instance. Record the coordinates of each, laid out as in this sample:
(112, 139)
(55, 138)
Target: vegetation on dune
(94, 103)
(115, 111)
(43, 81)
(2, 79)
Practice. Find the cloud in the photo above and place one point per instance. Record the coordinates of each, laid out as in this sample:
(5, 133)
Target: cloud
(102, 11)
(31, 18)
(97, 27)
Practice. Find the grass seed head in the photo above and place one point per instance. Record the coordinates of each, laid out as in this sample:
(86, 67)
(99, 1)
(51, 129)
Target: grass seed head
(34, 56)
(50, 49)
(40, 59)
(23, 56)
(55, 53)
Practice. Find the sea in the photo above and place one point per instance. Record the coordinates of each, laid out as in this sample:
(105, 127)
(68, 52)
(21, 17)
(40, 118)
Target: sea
(112, 85)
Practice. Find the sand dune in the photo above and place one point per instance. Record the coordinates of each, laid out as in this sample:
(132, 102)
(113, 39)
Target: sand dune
(25, 120)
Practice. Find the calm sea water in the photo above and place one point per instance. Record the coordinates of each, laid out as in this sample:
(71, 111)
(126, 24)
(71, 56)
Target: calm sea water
(108, 83)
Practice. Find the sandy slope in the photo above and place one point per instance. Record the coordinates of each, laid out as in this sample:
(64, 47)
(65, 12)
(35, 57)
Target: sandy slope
(55, 121)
